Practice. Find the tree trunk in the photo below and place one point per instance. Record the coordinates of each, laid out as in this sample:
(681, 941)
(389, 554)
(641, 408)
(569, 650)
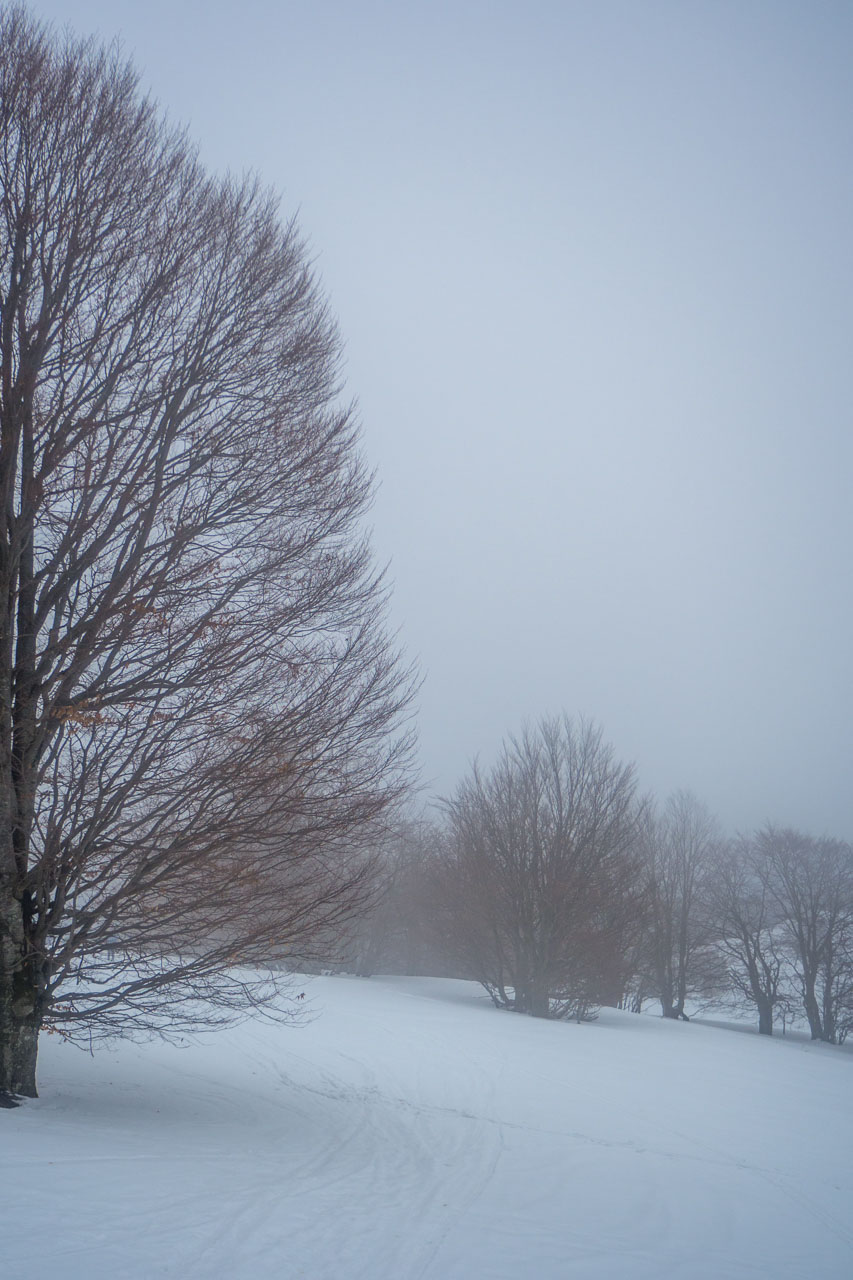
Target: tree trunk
(665, 990)
(539, 1004)
(828, 1005)
(765, 1018)
(19, 1018)
(812, 1009)
(19, 1055)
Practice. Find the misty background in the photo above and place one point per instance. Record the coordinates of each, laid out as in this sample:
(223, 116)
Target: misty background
(592, 266)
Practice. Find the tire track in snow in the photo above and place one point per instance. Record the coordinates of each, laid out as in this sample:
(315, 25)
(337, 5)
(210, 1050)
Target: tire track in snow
(302, 1210)
(427, 1163)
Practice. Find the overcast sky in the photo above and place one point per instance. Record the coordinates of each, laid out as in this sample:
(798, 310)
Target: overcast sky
(592, 265)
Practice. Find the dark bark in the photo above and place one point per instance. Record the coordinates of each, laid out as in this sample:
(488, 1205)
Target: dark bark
(539, 1005)
(20, 1018)
(23, 1056)
(812, 1008)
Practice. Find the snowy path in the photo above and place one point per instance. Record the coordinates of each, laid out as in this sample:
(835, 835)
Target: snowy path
(411, 1132)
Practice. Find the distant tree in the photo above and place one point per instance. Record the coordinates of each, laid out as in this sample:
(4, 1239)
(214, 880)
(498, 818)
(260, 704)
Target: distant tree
(811, 882)
(538, 852)
(397, 935)
(750, 928)
(678, 844)
(199, 709)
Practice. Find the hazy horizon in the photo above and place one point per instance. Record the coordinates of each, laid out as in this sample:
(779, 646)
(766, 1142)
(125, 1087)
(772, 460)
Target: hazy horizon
(592, 267)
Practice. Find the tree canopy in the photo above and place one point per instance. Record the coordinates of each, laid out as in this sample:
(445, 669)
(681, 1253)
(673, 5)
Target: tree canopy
(201, 713)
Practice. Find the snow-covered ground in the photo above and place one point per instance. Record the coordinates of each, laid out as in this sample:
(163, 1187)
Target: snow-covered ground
(413, 1132)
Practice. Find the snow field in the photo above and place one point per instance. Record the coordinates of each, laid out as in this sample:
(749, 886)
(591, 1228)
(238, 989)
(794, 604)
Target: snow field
(412, 1132)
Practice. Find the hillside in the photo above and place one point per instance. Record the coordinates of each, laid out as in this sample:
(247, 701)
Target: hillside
(410, 1131)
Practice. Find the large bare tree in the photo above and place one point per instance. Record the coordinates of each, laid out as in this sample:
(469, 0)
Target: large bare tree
(199, 708)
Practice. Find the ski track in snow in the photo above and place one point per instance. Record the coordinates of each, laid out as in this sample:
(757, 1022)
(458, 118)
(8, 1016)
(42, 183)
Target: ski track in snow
(411, 1132)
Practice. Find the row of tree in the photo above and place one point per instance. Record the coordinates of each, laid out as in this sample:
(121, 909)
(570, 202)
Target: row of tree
(550, 881)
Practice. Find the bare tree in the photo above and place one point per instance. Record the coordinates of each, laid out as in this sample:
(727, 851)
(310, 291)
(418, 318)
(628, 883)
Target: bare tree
(811, 882)
(538, 851)
(199, 709)
(750, 928)
(678, 844)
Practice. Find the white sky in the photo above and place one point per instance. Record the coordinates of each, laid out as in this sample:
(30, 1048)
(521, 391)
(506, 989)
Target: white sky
(592, 264)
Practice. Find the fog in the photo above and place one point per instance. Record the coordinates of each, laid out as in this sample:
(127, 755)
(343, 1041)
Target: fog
(592, 266)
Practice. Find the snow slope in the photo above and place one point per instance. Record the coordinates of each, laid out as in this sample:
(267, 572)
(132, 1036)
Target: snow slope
(413, 1132)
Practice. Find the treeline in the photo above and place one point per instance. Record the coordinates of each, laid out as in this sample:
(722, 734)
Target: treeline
(551, 881)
